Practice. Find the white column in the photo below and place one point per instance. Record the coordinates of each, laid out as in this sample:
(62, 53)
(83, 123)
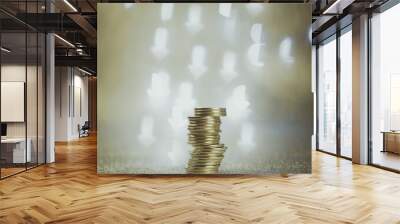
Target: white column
(360, 90)
(50, 100)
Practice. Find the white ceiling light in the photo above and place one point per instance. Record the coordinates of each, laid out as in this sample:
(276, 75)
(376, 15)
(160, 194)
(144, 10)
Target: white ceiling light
(64, 40)
(70, 5)
(5, 50)
(84, 71)
(338, 6)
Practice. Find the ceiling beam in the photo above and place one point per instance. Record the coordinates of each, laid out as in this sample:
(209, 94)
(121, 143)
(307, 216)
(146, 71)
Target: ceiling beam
(81, 61)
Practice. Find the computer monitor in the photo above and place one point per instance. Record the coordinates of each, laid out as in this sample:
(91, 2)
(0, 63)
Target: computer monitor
(3, 129)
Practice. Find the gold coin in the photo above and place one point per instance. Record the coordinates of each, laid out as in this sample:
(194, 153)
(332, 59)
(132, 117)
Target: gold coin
(203, 128)
(207, 147)
(204, 124)
(213, 146)
(210, 109)
(199, 149)
(209, 163)
(201, 140)
(206, 160)
(203, 172)
(207, 157)
(195, 165)
(199, 143)
(209, 142)
(202, 136)
(205, 119)
(196, 143)
(204, 141)
(208, 151)
(203, 169)
(197, 129)
(205, 138)
(209, 114)
(209, 154)
(209, 132)
(205, 132)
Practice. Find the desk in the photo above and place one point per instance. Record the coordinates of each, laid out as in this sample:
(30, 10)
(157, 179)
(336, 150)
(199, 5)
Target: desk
(391, 142)
(16, 153)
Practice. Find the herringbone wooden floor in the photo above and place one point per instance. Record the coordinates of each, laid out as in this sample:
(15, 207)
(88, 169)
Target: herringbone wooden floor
(70, 191)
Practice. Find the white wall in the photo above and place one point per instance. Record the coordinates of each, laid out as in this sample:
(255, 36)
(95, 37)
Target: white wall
(16, 73)
(70, 83)
(34, 126)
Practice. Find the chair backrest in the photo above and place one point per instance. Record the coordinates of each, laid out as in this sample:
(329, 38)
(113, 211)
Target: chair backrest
(86, 124)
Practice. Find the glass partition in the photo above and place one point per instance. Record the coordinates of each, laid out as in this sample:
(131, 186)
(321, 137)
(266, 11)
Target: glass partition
(13, 94)
(22, 88)
(385, 89)
(41, 107)
(327, 96)
(346, 93)
(32, 95)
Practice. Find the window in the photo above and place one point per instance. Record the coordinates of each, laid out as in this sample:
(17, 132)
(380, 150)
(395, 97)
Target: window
(327, 96)
(385, 89)
(346, 93)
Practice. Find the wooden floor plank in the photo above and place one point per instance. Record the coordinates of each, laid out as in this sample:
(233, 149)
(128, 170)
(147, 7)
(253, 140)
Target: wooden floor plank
(70, 191)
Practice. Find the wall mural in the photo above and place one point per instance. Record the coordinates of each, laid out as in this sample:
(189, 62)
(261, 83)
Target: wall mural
(204, 88)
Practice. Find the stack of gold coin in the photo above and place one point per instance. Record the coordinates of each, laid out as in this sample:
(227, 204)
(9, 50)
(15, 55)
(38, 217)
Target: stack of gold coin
(204, 135)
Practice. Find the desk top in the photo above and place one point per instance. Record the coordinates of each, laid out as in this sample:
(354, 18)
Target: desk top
(13, 140)
(391, 132)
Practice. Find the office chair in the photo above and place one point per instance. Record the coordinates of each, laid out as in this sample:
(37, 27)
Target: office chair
(84, 130)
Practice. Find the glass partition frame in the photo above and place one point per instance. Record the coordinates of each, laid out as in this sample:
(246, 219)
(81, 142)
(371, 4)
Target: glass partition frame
(337, 149)
(372, 90)
(30, 56)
